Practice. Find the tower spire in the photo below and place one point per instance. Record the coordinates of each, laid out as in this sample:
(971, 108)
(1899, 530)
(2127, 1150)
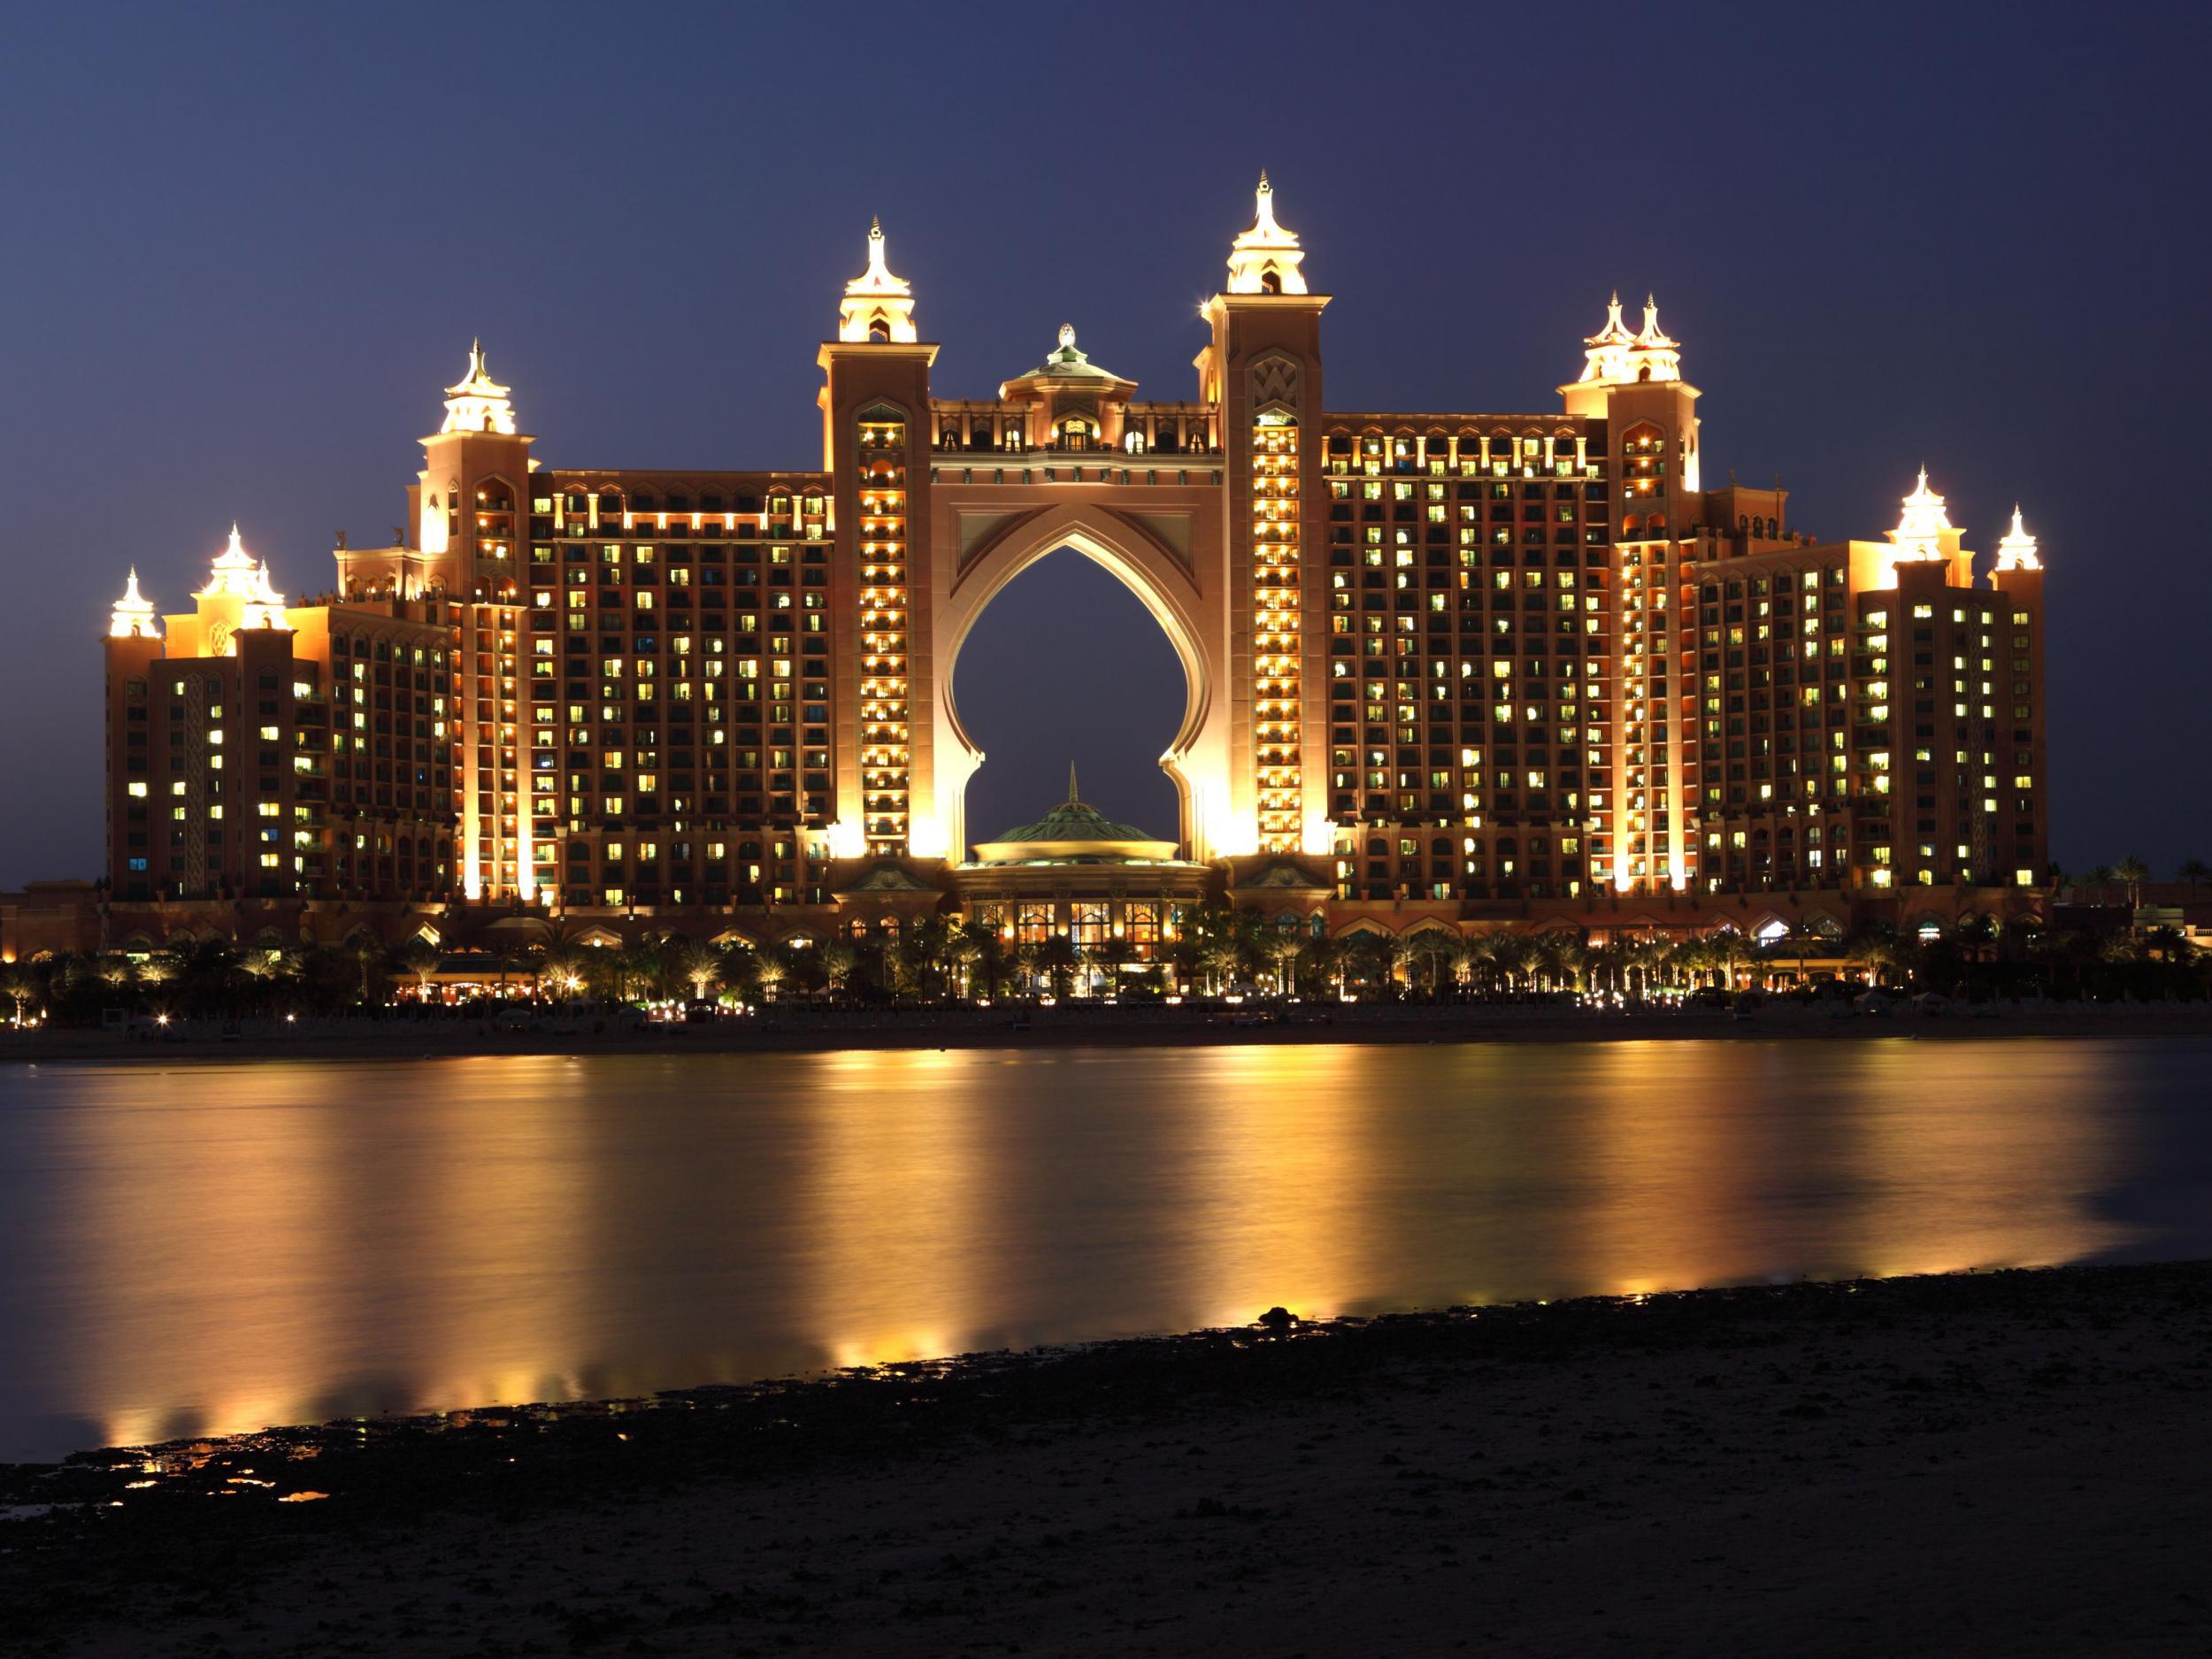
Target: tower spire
(2018, 551)
(1265, 258)
(1072, 799)
(479, 403)
(133, 615)
(1922, 525)
(877, 305)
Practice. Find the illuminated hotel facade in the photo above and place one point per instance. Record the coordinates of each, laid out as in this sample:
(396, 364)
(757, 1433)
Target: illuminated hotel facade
(1465, 670)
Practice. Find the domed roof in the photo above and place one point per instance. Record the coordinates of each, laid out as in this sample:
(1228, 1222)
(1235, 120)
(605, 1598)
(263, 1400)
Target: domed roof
(1074, 821)
(1074, 831)
(1066, 364)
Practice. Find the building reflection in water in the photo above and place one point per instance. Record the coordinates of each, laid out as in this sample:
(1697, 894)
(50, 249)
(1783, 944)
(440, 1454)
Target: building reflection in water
(212, 1247)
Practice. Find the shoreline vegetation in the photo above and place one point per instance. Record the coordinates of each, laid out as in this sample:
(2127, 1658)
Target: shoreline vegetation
(1994, 1462)
(410, 1033)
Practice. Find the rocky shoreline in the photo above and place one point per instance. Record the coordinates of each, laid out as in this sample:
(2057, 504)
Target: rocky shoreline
(1999, 1463)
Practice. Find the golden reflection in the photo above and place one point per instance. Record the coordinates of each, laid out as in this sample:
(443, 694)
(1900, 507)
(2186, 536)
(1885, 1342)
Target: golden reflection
(492, 1230)
(1280, 1157)
(210, 1248)
(892, 1205)
(1965, 1163)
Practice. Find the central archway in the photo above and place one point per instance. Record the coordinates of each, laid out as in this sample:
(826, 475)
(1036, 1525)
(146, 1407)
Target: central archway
(1161, 579)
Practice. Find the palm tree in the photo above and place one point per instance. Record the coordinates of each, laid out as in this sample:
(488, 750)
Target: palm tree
(838, 958)
(565, 970)
(1490, 959)
(1875, 948)
(701, 964)
(2193, 871)
(639, 963)
(1058, 959)
(771, 973)
(367, 953)
(1555, 959)
(20, 983)
(1432, 947)
(2134, 872)
(419, 958)
(1219, 957)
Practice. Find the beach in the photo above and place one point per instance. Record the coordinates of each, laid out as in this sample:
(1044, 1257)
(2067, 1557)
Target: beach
(1992, 1464)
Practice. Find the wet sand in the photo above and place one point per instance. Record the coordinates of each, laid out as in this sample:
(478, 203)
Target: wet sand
(787, 1030)
(1997, 1464)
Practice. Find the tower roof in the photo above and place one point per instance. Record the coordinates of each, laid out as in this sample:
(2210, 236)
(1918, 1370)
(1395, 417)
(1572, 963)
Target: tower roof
(876, 300)
(2018, 551)
(133, 615)
(479, 403)
(234, 572)
(1265, 258)
(1067, 363)
(1921, 526)
(1617, 357)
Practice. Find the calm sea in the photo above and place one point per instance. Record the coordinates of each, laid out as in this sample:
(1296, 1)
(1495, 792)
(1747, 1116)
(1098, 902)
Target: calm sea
(212, 1247)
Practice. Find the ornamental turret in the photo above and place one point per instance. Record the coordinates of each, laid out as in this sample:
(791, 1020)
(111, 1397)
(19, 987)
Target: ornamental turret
(133, 615)
(877, 307)
(1925, 530)
(2018, 551)
(1614, 357)
(234, 573)
(478, 403)
(1265, 258)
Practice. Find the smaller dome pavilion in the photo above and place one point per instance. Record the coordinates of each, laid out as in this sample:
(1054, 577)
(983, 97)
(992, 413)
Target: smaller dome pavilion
(1076, 873)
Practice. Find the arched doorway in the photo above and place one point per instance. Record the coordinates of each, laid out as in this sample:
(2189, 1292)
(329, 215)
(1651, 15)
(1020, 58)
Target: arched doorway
(1065, 668)
(1190, 613)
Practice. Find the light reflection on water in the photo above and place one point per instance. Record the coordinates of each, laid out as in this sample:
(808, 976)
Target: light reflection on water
(207, 1249)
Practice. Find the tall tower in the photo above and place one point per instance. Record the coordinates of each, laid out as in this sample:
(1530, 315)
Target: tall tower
(2019, 579)
(134, 646)
(1641, 825)
(467, 508)
(875, 448)
(1263, 370)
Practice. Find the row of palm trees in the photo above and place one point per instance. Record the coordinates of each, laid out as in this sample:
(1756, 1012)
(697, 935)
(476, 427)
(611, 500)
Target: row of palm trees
(1216, 951)
(2105, 883)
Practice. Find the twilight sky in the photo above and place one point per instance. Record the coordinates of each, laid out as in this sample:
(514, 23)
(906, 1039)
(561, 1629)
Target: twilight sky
(248, 245)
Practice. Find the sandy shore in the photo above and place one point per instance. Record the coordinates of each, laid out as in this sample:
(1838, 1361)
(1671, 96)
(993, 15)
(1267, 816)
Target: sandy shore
(789, 1031)
(2006, 1463)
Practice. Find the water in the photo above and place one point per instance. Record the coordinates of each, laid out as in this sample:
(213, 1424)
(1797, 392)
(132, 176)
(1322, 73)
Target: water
(211, 1247)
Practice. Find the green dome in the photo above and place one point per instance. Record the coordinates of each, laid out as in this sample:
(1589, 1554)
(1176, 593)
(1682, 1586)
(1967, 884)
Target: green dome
(1073, 832)
(1073, 821)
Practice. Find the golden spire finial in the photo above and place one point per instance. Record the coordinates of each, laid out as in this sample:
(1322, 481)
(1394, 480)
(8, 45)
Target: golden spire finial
(1072, 798)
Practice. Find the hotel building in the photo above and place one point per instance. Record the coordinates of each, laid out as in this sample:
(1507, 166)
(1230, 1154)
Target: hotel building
(1464, 668)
